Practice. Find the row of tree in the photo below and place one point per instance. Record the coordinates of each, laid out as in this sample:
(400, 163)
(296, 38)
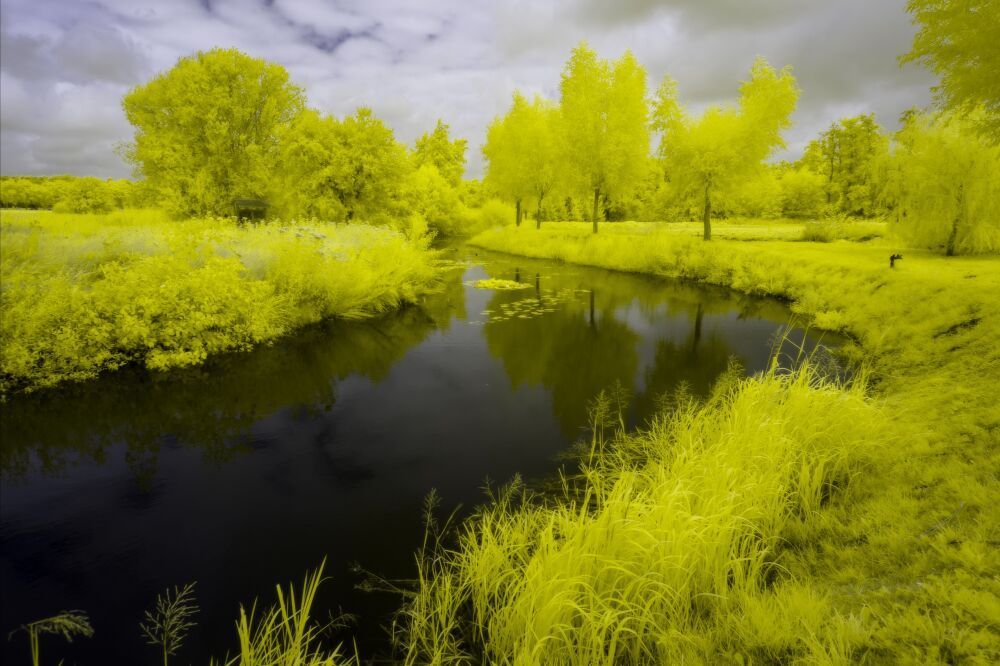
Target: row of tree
(597, 138)
(69, 194)
(595, 141)
(222, 126)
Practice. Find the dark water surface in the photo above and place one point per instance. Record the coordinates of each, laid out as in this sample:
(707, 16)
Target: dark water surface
(250, 470)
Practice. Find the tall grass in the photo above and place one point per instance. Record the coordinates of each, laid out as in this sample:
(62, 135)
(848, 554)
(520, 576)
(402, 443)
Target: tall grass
(84, 293)
(907, 564)
(665, 549)
(286, 634)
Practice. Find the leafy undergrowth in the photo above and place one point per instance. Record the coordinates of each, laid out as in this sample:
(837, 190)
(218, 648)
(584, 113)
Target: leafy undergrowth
(902, 566)
(87, 293)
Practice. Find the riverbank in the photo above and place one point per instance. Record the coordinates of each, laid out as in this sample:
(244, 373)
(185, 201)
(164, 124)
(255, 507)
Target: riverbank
(897, 566)
(84, 294)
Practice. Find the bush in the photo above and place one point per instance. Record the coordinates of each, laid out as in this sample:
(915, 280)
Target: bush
(83, 293)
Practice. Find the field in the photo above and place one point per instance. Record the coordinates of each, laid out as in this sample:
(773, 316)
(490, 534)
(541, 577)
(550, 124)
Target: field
(787, 519)
(83, 294)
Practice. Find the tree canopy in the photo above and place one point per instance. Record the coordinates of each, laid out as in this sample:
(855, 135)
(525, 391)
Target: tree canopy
(438, 149)
(846, 154)
(339, 170)
(605, 126)
(522, 152)
(207, 131)
(945, 185)
(707, 154)
(959, 40)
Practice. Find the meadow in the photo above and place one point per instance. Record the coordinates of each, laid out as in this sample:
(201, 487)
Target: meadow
(83, 294)
(788, 518)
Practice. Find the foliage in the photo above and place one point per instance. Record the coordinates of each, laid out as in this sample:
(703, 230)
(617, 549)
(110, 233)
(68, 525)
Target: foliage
(84, 294)
(207, 131)
(68, 194)
(802, 193)
(846, 155)
(960, 41)
(522, 152)
(902, 568)
(708, 154)
(438, 150)
(66, 624)
(285, 634)
(673, 531)
(168, 623)
(494, 213)
(758, 196)
(944, 181)
(841, 227)
(430, 195)
(495, 283)
(604, 125)
(339, 170)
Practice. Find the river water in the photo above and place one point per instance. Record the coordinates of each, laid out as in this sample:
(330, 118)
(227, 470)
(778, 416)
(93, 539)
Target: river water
(251, 469)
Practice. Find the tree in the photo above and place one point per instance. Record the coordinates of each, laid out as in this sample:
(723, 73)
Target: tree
(959, 40)
(438, 149)
(206, 132)
(845, 155)
(709, 154)
(522, 153)
(802, 192)
(604, 123)
(945, 183)
(339, 170)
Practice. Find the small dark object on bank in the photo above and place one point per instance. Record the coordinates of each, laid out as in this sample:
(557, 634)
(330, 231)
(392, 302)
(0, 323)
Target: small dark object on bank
(893, 258)
(251, 209)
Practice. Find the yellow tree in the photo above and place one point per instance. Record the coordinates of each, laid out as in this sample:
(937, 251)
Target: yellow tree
(437, 149)
(944, 179)
(522, 154)
(959, 40)
(605, 130)
(339, 170)
(206, 132)
(708, 154)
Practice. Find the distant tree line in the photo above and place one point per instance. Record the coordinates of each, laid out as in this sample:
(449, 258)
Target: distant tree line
(221, 126)
(70, 194)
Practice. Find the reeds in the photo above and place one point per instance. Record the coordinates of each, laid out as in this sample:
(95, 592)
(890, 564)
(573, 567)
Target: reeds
(167, 625)
(663, 538)
(66, 624)
(286, 634)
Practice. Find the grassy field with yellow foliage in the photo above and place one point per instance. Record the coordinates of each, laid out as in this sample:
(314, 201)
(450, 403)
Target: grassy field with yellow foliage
(87, 293)
(787, 519)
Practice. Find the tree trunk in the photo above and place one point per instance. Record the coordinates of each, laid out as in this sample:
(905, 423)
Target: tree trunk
(517, 216)
(953, 236)
(597, 194)
(538, 214)
(707, 215)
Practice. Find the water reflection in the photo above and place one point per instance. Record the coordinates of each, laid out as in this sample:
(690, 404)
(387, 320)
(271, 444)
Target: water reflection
(647, 335)
(252, 468)
(213, 407)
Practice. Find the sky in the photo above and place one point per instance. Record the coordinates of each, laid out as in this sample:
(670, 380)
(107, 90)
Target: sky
(65, 64)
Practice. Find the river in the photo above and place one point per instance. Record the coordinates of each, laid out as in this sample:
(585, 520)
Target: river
(249, 470)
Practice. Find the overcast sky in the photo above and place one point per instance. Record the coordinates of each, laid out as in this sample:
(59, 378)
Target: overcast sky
(65, 64)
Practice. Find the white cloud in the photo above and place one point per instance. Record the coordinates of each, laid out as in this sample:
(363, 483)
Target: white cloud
(414, 62)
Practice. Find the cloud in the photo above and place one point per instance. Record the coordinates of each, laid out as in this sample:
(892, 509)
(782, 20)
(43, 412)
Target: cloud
(66, 63)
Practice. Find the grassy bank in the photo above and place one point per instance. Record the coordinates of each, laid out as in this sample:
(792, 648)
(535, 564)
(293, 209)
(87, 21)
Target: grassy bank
(87, 293)
(728, 532)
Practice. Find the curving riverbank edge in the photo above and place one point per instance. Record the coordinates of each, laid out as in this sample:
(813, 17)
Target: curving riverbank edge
(909, 551)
